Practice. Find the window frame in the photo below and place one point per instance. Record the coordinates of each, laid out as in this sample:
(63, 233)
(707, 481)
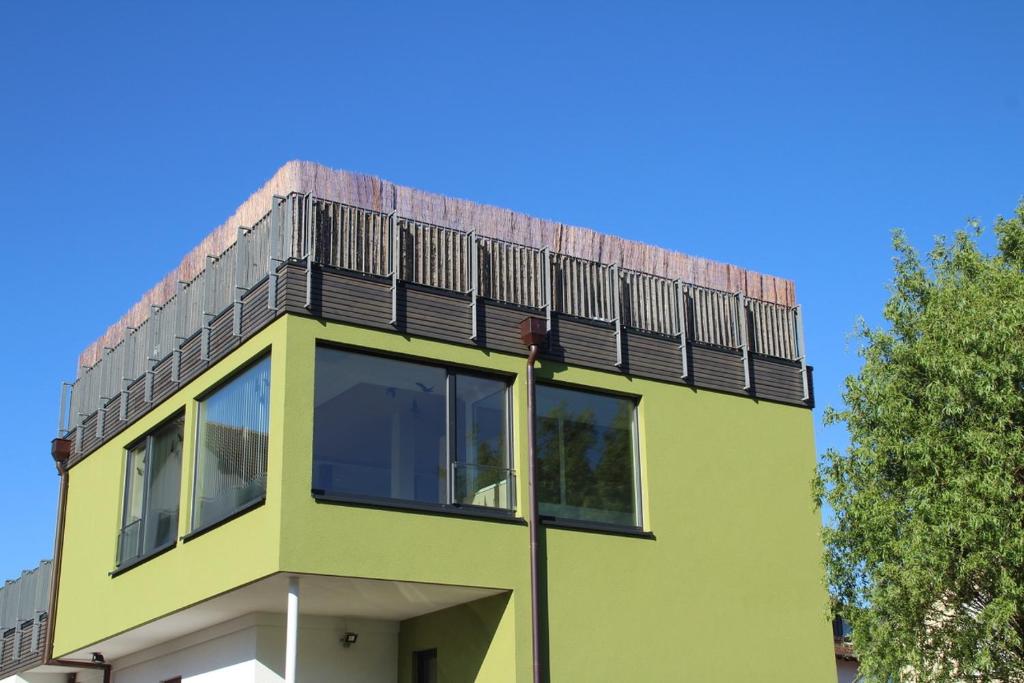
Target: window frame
(451, 506)
(196, 529)
(638, 528)
(121, 565)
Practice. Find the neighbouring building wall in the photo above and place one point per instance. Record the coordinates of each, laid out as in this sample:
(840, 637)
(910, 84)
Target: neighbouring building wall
(847, 670)
(251, 650)
(48, 678)
(474, 641)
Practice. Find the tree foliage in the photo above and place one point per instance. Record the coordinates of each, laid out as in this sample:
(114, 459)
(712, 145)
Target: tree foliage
(926, 555)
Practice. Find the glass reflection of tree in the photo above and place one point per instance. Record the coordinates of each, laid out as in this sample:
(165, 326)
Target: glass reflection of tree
(564, 440)
(486, 463)
(490, 464)
(583, 464)
(615, 469)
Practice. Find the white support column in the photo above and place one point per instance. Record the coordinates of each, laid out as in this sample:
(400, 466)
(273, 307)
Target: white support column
(291, 645)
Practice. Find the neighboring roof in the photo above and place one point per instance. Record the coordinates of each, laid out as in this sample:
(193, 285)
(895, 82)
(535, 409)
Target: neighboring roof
(25, 597)
(845, 651)
(24, 603)
(374, 193)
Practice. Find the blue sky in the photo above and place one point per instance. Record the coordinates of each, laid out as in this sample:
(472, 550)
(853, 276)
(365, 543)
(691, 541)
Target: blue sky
(784, 137)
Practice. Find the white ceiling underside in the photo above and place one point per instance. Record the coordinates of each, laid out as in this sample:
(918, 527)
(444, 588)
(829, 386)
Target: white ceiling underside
(318, 596)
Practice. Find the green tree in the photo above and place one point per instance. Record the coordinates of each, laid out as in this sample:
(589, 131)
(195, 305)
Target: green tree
(926, 555)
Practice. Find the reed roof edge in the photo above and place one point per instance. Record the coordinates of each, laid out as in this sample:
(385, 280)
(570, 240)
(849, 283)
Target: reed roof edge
(490, 221)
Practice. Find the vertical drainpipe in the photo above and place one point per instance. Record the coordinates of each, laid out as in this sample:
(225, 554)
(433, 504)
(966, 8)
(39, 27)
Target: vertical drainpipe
(60, 449)
(533, 332)
(291, 644)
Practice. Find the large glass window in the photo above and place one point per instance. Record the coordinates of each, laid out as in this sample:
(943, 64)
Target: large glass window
(392, 429)
(586, 456)
(231, 446)
(149, 519)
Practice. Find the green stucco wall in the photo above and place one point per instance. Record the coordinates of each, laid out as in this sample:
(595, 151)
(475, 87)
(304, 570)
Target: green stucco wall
(92, 604)
(474, 642)
(729, 588)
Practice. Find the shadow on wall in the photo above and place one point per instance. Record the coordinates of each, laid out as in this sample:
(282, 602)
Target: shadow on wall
(469, 639)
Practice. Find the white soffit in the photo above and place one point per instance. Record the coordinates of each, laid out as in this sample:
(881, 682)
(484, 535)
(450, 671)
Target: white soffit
(319, 596)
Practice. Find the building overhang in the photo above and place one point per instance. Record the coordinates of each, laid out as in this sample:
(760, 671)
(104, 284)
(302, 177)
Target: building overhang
(348, 597)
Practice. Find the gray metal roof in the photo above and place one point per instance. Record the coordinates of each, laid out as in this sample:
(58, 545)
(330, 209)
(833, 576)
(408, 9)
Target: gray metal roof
(25, 597)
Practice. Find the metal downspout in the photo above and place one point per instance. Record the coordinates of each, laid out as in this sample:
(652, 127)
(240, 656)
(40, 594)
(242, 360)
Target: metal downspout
(534, 517)
(534, 333)
(60, 449)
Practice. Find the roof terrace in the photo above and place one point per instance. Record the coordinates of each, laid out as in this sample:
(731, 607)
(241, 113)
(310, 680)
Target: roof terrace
(355, 248)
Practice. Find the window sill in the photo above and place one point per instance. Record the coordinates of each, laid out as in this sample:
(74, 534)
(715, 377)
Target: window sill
(251, 505)
(464, 511)
(143, 560)
(595, 527)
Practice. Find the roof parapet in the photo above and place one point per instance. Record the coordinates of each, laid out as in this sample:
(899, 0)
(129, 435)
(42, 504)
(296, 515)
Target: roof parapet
(381, 195)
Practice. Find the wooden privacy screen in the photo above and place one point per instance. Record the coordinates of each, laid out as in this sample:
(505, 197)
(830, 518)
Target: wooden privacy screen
(460, 215)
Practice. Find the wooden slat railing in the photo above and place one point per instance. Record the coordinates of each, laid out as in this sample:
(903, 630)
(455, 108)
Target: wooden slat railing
(337, 235)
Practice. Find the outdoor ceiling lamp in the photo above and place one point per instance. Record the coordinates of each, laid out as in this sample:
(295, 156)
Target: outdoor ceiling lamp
(349, 639)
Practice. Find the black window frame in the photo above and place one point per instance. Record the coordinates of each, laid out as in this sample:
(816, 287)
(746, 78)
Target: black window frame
(638, 527)
(450, 507)
(122, 564)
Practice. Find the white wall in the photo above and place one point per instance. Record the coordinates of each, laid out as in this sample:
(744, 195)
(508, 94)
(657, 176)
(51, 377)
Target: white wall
(216, 655)
(374, 657)
(251, 650)
(35, 678)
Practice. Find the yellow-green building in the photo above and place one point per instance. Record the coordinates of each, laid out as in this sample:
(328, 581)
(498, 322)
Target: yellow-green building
(310, 460)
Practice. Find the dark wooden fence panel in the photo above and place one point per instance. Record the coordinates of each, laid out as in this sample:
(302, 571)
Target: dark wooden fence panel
(446, 316)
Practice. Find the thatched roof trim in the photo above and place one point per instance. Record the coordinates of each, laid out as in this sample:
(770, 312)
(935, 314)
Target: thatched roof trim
(375, 193)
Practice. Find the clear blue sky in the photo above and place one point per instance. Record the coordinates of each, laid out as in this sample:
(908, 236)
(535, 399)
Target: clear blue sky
(785, 137)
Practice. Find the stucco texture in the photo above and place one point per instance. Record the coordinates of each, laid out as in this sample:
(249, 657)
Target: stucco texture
(728, 586)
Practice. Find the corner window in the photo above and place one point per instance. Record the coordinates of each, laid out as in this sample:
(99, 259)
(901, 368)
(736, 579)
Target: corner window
(393, 429)
(149, 520)
(231, 446)
(586, 453)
